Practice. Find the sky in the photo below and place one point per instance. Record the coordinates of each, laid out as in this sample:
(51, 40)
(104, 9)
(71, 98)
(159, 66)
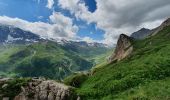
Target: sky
(84, 20)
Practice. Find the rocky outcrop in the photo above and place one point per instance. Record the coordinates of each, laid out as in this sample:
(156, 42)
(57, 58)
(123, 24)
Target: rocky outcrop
(41, 89)
(161, 27)
(123, 49)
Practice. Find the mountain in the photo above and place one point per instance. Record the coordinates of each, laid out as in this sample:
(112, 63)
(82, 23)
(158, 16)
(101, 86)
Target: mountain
(143, 74)
(88, 50)
(47, 59)
(162, 26)
(11, 34)
(141, 34)
(44, 57)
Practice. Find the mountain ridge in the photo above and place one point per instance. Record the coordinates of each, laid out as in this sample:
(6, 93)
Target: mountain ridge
(141, 34)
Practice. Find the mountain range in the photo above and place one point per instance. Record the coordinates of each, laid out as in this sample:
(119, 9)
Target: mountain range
(28, 55)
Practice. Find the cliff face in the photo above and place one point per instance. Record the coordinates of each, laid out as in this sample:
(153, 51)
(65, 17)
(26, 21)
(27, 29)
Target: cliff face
(41, 89)
(123, 49)
(163, 25)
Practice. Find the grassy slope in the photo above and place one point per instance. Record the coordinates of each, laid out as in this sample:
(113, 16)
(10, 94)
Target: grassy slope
(146, 69)
(5, 53)
(46, 59)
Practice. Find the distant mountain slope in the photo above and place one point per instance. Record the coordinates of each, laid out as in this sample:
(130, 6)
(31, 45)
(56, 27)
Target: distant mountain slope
(142, 75)
(44, 57)
(10, 34)
(141, 34)
(48, 59)
(87, 50)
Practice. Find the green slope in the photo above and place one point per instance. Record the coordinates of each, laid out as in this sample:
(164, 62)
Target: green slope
(47, 59)
(137, 77)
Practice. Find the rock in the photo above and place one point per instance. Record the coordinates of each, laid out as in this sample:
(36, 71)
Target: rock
(21, 97)
(3, 80)
(123, 49)
(5, 98)
(45, 90)
(41, 89)
(161, 27)
(4, 86)
(51, 96)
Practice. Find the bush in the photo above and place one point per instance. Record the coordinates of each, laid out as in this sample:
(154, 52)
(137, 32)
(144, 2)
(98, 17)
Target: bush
(75, 80)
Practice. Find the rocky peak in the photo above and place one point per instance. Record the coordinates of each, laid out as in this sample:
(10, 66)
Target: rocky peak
(123, 49)
(162, 26)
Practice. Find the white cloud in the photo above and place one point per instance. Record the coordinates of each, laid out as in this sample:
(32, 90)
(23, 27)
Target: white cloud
(50, 4)
(64, 24)
(88, 40)
(120, 16)
(59, 29)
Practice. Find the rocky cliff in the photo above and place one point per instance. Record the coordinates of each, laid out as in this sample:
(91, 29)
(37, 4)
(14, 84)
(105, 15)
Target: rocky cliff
(37, 89)
(123, 49)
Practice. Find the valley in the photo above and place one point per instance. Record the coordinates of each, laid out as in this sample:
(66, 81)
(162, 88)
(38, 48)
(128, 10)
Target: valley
(46, 58)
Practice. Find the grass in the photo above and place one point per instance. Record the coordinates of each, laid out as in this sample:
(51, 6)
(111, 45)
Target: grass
(154, 90)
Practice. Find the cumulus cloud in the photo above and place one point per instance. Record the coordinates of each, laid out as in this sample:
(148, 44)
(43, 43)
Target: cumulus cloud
(61, 27)
(50, 4)
(64, 25)
(120, 16)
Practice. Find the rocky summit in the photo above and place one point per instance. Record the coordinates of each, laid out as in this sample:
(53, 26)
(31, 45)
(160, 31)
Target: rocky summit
(123, 49)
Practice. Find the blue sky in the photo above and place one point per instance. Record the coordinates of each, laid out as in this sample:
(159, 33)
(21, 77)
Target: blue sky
(84, 20)
(34, 11)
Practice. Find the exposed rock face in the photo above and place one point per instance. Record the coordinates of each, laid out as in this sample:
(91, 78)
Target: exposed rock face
(45, 90)
(141, 34)
(123, 49)
(163, 25)
(40, 89)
